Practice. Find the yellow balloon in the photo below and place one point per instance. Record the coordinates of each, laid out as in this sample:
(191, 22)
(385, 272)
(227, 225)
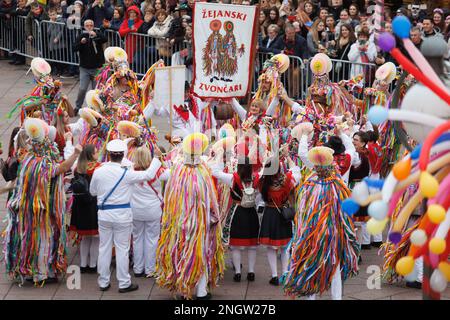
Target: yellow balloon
(436, 213)
(428, 185)
(444, 267)
(375, 226)
(437, 245)
(405, 266)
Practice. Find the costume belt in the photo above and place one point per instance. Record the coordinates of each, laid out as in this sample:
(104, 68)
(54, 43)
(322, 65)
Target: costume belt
(114, 206)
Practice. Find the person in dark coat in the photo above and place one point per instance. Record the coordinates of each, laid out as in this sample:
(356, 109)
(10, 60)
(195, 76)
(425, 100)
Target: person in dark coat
(149, 20)
(273, 43)
(99, 10)
(293, 43)
(89, 45)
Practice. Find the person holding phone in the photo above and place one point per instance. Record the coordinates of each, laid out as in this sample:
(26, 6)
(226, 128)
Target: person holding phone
(362, 52)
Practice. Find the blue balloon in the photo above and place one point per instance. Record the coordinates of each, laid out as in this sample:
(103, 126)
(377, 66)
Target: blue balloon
(349, 206)
(378, 114)
(401, 26)
(374, 183)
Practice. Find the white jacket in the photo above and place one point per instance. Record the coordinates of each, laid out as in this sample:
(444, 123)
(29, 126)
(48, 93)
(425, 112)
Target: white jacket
(145, 203)
(355, 56)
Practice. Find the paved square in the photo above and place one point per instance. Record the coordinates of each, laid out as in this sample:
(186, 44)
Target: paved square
(14, 83)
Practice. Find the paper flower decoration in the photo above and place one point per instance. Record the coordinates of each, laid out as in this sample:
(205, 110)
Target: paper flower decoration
(40, 67)
(34, 129)
(95, 113)
(386, 72)
(128, 128)
(109, 54)
(93, 100)
(45, 127)
(320, 64)
(120, 54)
(282, 62)
(226, 130)
(88, 117)
(298, 130)
(321, 156)
(195, 143)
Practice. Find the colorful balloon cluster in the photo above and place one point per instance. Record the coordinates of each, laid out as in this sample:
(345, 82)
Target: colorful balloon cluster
(425, 111)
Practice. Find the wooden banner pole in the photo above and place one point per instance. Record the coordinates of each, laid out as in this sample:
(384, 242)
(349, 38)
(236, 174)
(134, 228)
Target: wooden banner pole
(170, 102)
(252, 58)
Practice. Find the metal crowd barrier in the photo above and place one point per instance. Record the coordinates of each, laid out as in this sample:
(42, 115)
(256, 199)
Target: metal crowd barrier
(144, 50)
(114, 39)
(58, 42)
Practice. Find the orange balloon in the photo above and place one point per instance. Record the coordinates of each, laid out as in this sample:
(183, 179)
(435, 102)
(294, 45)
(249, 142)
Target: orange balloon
(402, 169)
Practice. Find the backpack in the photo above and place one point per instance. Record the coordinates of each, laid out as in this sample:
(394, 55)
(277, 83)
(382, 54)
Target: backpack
(248, 199)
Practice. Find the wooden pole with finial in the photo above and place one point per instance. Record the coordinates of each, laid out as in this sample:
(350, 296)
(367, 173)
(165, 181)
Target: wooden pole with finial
(252, 57)
(170, 103)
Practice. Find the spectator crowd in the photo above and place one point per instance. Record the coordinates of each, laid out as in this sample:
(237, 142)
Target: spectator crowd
(342, 29)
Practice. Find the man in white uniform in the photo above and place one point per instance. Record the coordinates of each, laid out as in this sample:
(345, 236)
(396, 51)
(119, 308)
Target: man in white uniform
(111, 183)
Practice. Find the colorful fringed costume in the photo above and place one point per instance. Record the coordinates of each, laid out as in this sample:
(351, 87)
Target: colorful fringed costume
(35, 236)
(324, 237)
(190, 245)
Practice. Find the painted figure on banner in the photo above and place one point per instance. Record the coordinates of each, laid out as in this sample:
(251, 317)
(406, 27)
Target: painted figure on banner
(231, 51)
(212, 50)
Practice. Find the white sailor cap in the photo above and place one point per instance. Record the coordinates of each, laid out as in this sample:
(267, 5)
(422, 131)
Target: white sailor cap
(116, 145)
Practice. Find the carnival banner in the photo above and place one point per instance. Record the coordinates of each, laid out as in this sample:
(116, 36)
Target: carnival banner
(170, 84)
(223, 49)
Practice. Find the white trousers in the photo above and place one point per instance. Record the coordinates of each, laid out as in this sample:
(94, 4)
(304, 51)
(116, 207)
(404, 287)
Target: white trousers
(336, 286)
(89, 251)
(202, 286)
(145, 242)
(118, 234)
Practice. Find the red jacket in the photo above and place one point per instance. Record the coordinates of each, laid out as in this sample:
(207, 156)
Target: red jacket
(375, 156)
(132, 41)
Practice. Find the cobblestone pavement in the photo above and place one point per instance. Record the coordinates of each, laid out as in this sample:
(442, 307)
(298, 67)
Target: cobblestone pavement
(14, 83)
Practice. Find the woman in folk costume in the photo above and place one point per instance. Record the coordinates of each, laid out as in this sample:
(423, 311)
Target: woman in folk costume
(146, 205)
(83, 219)
(324, 250)
(276, 232)
(190, 250)
(35, 235)
(244, 226)
(44, 98)
(357, 174)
